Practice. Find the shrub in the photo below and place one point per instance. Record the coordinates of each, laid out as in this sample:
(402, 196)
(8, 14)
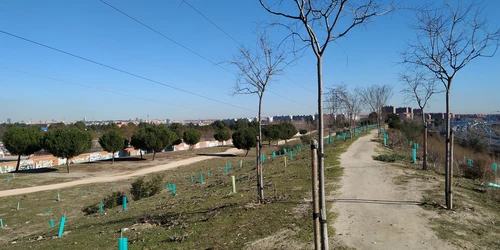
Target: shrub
(303, 131)
(91, 209)
(113, 200)
(480, 170)
(141, 189)
(390, 157)
(412, 130)
(476, 144)
(306, 139)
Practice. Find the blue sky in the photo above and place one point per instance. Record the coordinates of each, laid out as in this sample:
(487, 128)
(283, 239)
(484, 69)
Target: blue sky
(368, 55)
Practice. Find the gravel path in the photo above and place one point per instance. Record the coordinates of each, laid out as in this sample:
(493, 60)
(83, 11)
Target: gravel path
(376, 213)
(117, 177)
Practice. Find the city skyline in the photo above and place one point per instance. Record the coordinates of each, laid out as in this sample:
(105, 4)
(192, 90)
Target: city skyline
(39, 83)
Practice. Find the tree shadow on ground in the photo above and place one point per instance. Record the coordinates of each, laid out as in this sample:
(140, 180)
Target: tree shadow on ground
(218, 155)
(381, 202)
(124, 159)
(36, 171)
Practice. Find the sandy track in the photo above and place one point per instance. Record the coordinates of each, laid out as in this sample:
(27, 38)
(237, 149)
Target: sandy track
(374, 212)
(112, 178)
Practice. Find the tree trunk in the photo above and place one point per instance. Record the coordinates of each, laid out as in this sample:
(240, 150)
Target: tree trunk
(321, 169)
(379, 122)
(424, 164)
(18, 162)
(154, 154)
(260, 181)
(67, 163)
(247, 152)
(448, 194)
(113, 158)
(140, 151)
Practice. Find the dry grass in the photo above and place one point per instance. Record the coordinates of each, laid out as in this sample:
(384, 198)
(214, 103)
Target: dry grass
(474, 222)
(198, 217)
(482, 168)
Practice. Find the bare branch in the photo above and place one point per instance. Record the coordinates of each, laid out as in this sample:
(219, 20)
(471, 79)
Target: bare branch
(257, 67)
(419, 86)
(375, 97)
(448, 39)
(321, 21)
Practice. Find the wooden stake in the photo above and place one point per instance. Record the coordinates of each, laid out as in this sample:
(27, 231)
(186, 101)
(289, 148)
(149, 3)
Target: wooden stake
(315, 195)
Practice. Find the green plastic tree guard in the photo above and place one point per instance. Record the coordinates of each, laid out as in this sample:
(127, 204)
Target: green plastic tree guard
(61, 226)
(124, 203)
(414, 156)
(122, 244)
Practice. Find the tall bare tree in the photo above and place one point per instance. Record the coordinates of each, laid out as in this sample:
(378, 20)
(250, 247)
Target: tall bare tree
(257, 68)
(317, 23)
(374, 97)
(447, 40)
(420, 88)
(351, 102)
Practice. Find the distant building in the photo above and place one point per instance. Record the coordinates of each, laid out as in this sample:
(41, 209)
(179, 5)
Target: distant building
(417, 111)
(303, 118)
(389, 110)
(9, 121)
(402, 110)
(405, 116)
(282, 118)
(435, 116)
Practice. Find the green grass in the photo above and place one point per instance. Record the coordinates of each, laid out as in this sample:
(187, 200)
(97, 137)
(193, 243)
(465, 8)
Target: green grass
(198, 217)
(391, 157)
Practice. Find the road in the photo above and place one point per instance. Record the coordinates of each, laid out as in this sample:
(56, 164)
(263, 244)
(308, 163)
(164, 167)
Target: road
(375, 212)
(113, 178)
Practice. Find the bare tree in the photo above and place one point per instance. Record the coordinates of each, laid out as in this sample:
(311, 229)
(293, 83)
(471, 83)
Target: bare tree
(374, 98)
(447, 40)
(256, 70)
(420, 88)
(317, 23)
(351, 102)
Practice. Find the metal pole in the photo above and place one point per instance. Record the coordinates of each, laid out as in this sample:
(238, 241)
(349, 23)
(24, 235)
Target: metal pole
(315, 195)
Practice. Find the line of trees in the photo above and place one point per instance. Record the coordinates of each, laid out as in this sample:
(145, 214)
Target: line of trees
(65, 141)
(246, 138)
(61, 142)
(345, 106)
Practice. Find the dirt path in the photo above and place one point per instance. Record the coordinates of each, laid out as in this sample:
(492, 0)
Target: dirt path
(117, 177)
(376, 213)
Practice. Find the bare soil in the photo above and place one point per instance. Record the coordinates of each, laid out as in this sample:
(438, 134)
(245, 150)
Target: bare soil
(374, 212)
